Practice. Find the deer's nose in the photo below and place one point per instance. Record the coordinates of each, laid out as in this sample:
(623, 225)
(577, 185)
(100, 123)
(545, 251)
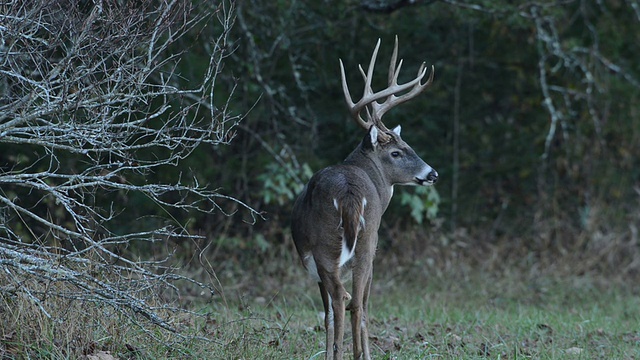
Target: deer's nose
(432, 177)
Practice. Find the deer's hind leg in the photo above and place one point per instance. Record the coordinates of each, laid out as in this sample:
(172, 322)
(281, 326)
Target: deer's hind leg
(328, 320)
(334, 296)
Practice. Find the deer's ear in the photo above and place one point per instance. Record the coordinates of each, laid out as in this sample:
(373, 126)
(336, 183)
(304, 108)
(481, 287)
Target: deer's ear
(397, 130)
(371, 140)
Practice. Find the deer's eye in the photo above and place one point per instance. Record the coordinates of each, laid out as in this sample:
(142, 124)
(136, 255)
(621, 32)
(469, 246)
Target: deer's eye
(395, 154)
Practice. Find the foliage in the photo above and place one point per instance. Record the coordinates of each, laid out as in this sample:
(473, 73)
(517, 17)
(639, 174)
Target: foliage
(423, 203)
(280, 185)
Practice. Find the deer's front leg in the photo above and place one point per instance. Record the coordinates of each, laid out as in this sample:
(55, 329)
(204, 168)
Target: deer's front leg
(364, 332)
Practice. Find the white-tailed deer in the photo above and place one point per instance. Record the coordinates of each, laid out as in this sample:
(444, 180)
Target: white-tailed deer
(336, 218)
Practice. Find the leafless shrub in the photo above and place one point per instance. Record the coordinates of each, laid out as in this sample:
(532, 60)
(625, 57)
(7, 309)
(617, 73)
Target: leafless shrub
(91, 102)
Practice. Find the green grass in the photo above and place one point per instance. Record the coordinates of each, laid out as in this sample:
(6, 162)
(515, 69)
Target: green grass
(461, 316)
(447, 318)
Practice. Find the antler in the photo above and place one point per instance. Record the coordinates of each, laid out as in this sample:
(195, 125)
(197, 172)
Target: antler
(369, 101)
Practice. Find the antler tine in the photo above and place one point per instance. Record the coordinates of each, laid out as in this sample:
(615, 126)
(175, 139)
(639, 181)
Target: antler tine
(372, 64)
(393, 75)
(355, 113)
(416, 88)
(356, 108)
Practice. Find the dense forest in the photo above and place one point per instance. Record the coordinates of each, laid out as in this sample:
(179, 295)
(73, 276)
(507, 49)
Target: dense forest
(130, 133)
(531, 120)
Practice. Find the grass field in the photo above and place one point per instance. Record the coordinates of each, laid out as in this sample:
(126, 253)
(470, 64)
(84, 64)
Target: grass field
(467, 314)
(458, 317)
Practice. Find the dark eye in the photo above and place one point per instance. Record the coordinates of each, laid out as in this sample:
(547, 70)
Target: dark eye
(395, 154)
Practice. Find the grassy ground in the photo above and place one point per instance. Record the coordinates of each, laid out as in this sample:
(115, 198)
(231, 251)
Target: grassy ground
(468, 314)
(457, 317)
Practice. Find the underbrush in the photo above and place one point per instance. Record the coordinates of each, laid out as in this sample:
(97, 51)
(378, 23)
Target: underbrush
(55, 327)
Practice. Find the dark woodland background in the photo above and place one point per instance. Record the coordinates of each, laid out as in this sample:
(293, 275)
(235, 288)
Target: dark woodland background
(532, 122)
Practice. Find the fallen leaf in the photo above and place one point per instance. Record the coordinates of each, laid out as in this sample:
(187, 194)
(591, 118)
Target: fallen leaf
(574, 351)
(484, 350)
(546, 328)
(100, 355)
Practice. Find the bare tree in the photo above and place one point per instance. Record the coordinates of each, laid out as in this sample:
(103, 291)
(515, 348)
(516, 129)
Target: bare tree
(91, 104)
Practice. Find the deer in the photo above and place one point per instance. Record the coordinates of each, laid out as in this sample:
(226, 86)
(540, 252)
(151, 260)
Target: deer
(336, 217)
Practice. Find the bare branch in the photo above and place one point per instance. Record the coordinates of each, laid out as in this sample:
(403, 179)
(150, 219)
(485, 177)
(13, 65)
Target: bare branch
(387, 7)
(91, 101)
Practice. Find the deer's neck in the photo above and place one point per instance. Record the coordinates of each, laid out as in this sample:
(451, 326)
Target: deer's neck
(373, 168)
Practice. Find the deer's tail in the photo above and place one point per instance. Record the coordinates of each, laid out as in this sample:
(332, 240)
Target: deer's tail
(352, 221)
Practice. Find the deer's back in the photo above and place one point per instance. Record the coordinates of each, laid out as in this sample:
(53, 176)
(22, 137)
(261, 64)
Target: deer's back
(316, 214)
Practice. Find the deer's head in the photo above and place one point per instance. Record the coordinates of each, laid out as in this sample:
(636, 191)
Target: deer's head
(398, 162)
